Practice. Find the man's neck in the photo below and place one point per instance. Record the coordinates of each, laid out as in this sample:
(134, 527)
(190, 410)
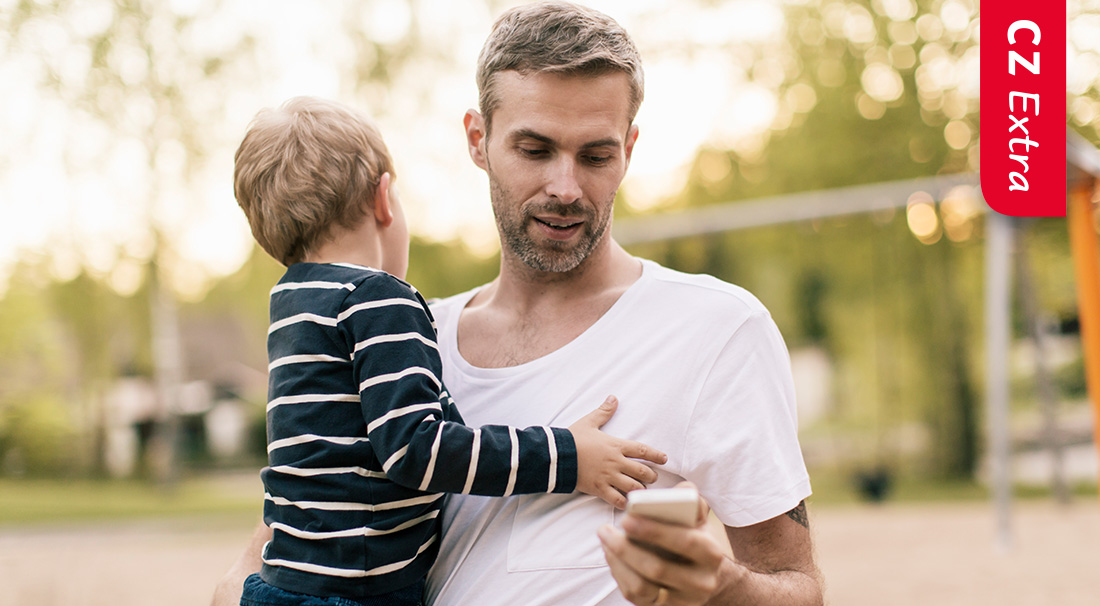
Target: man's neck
(524, 315)
(521, 289)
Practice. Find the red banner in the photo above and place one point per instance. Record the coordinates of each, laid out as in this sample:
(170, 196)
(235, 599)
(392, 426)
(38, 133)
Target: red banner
(1023, 107)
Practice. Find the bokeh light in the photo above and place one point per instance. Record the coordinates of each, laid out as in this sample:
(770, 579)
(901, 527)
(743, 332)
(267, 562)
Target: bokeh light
(959, 210)
(921, 216)
(957, 134)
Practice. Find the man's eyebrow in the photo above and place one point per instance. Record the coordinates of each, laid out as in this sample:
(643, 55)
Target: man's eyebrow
(608, 142)
(526, 133)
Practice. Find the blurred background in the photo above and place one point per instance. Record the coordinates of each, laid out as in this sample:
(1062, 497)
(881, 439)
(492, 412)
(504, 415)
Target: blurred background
(133, 302)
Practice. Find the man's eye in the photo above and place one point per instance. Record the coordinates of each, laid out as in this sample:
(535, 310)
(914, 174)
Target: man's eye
(598, 160)
(532, 153)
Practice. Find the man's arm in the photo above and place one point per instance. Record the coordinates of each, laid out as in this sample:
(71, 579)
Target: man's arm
(229, 588)
(773, 563)
(777, 561)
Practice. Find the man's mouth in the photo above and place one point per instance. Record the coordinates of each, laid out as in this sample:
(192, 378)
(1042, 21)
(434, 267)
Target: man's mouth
(559, 224)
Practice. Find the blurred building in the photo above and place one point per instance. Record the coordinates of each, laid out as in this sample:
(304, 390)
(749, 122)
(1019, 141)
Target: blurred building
(215, 412)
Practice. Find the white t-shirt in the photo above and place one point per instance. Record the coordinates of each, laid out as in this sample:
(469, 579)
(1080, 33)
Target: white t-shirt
(701, 372)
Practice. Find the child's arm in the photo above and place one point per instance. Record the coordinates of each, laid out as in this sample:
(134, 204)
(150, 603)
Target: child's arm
(397, 365)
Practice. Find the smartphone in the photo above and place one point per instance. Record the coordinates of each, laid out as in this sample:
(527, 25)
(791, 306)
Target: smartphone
(670, 505)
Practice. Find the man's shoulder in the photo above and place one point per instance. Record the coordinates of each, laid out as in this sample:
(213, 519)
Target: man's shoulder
(701, 292)
(447, 308)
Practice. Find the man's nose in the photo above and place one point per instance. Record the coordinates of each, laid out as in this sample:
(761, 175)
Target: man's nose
(563, 183)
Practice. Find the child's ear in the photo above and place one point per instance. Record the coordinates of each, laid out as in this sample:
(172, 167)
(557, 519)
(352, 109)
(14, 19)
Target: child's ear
(383, 212)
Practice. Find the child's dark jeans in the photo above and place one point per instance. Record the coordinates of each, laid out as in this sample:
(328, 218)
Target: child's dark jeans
(258, 593)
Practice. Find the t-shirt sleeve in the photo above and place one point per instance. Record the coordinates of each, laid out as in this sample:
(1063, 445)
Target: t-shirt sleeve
(412, 424)
(743, 450)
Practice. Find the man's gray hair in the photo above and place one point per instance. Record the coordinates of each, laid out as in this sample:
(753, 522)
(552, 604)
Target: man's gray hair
(557, 37)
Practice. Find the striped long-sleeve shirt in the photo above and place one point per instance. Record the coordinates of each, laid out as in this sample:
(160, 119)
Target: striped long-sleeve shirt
(363, 437)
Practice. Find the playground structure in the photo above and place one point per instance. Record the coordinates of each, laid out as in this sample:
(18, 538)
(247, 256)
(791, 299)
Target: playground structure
(1083, 191)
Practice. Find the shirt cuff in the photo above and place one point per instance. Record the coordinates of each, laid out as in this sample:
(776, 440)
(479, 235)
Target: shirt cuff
(567, 461)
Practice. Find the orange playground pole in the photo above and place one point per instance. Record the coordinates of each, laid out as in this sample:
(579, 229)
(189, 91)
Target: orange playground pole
(1086, 257)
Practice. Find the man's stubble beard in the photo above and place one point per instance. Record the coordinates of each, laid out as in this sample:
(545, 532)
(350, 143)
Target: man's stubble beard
(512, 224)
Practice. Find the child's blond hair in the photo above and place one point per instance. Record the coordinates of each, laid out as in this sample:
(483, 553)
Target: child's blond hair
(303, 168)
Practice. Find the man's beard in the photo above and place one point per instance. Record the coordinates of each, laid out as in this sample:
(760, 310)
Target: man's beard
(552, 256)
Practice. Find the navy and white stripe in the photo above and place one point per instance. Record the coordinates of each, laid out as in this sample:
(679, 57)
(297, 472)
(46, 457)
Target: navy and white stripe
(363, 437)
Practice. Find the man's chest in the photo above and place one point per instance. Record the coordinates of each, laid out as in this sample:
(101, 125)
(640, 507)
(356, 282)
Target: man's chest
(657, 388)
(495, 340)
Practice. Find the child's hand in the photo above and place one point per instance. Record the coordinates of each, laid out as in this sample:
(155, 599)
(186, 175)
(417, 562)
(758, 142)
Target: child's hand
(606, 465)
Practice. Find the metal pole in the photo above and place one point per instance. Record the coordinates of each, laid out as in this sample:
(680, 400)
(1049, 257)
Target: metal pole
(1051, 439)
(169, 375)
(998, 278)
(1086, 261)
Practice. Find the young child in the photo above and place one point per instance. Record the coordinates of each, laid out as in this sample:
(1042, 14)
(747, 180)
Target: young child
(362, 435)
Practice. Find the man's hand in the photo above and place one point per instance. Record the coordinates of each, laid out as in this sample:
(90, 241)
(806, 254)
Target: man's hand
(772, 562)
(229, 588)
(608, 467)
(686, 574)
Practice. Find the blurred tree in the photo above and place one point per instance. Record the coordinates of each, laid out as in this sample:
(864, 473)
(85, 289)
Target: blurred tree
(868, 91)
(153, 87)
(1083, 68)
(34, 382)
(877, 90)
(145, 74)
(865, 91)
(442, 269)
(104, 333)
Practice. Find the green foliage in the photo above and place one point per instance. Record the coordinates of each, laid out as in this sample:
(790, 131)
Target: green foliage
(1052, 269)
(32, 381)
(90, 311)
(30, 339)
(239, 303)
(62, 343)
(439, 269)
(36, 435)
(900, 318)
(1069, 380)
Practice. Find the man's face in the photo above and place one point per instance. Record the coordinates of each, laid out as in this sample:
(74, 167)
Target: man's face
(559, 149)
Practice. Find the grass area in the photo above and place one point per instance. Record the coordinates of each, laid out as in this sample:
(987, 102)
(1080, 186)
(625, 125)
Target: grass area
(33, 501)
(832, 487)
(37, 501)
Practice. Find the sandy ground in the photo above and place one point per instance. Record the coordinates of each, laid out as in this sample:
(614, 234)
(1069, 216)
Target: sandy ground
(948, 555)
(897, 554)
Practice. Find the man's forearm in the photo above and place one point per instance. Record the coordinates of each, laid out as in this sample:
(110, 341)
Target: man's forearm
(739, 586)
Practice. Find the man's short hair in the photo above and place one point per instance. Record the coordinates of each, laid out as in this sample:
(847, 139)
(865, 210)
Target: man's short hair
(304, 168)
(557, 37)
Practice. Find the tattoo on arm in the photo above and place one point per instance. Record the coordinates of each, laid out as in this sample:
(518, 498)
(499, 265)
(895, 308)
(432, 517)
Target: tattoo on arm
(798, 514)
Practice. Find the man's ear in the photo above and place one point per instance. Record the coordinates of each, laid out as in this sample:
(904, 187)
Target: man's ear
(631, 138)
(475, 137)
(383, 212)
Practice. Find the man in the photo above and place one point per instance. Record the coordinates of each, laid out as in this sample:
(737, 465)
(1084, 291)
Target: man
(698, 365)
